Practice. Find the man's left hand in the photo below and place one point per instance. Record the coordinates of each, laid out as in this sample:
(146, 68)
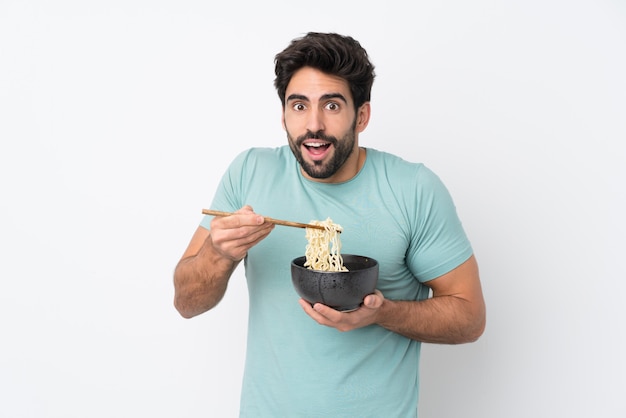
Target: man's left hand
(346, 321)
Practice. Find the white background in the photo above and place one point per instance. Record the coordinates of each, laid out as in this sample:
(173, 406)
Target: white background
(117, 119)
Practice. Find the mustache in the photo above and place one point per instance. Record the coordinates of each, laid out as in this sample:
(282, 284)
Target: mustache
(316, 135)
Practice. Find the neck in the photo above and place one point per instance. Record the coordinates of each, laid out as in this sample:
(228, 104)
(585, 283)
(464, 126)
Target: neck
(350, 168)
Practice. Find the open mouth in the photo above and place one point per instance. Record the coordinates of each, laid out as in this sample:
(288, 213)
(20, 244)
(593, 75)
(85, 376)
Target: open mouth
(317, 148)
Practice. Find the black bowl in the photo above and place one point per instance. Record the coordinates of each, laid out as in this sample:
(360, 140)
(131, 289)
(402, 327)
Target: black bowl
(341, 290)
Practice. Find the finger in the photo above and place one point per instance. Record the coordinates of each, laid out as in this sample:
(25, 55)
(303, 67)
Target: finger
(326, 311)
(240, 240)
(238, 220)
(246, 224)
(245, 209)
(308, 309)
(259, 234)
(374, 300)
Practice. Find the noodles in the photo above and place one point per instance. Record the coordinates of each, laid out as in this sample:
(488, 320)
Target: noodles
(323, 249)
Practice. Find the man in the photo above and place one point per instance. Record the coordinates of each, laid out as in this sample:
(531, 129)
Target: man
(304, 360)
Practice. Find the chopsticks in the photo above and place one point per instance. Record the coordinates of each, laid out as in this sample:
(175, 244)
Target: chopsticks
(267, 219)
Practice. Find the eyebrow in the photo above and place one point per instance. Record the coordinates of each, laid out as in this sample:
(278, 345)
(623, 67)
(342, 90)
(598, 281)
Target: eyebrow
(323, 97)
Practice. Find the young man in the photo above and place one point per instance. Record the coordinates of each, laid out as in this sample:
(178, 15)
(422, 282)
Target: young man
(298, 362)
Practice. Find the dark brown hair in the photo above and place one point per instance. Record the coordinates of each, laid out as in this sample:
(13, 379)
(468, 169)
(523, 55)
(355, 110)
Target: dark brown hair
(331, 53)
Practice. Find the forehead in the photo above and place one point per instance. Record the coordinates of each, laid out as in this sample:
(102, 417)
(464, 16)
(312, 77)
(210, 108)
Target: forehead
(313, 84)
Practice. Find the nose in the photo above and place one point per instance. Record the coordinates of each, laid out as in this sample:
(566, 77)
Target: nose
(315, 120)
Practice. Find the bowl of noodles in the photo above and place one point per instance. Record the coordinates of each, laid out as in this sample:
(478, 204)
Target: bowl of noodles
(326, 276)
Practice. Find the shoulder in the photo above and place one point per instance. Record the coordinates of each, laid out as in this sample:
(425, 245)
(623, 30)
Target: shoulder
(265, 153)
(390, 160)
(411, 183)
(400, 168)
(262, 156)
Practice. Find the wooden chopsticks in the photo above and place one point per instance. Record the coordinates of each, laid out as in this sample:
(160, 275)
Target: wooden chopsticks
(267, 219)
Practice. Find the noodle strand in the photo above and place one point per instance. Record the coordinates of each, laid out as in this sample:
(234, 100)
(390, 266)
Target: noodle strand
(323, 251)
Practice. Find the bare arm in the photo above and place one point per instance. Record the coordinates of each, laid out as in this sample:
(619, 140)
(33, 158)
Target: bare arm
(454, 315)
(201, 276)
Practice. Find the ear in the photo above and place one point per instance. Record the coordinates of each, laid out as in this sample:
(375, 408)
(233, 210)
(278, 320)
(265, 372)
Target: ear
(282, 119)
(363, 117)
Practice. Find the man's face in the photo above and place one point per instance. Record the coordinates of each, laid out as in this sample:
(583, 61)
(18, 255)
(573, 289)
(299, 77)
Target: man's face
(321, 124)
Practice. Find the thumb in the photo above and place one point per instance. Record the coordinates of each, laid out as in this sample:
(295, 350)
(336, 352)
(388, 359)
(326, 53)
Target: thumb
(374, 301)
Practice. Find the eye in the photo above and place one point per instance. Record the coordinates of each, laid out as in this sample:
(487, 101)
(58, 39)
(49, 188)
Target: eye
(332, 106)
(298, 106)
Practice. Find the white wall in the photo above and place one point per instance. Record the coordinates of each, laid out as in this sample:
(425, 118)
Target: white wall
(117, 119)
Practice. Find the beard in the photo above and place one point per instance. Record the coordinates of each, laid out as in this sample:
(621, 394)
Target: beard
(343, 148)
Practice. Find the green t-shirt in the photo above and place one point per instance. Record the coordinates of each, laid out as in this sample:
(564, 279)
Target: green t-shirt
(394, 211)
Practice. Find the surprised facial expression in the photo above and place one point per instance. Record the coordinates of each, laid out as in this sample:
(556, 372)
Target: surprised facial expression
(321, 124)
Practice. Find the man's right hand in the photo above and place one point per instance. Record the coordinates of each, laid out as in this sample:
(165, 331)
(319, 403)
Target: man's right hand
(232, 236)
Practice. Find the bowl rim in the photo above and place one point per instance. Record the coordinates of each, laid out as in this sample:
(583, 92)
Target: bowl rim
(298, 262)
